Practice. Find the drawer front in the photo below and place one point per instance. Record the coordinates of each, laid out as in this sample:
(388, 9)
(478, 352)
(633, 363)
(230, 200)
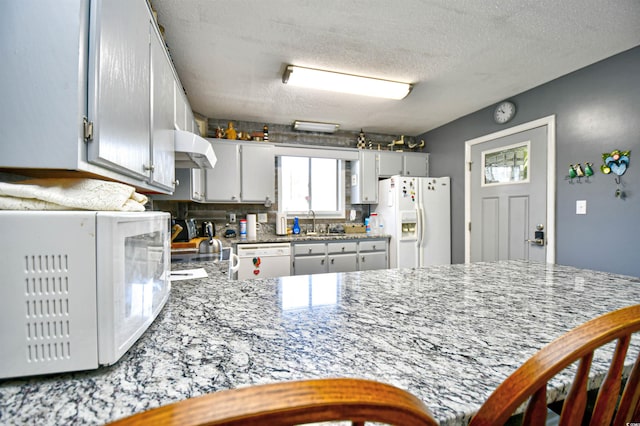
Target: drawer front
(342, 247)
(373, 245)
(309, 249)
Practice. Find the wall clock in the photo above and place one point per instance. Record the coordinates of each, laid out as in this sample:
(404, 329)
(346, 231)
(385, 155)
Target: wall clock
(504, 112)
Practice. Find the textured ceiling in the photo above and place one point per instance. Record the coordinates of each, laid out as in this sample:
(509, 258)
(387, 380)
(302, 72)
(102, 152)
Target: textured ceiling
(462, 55)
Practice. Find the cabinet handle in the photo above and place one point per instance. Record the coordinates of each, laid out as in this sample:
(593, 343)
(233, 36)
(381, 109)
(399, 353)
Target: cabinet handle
(309, 251)
(148, 168)
(362, 259)
(343, 249)
(322, 262)
(374, 247)
(332, 261)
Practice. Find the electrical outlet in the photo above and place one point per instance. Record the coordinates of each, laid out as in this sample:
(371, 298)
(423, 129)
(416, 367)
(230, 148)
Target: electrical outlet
(262, 217)
(581, 207)
(232, 218)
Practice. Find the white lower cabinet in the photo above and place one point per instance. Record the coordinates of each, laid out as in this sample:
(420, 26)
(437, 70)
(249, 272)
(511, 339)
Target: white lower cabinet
(342, 256)
(339, 256)
(309, 258)
(372, 254)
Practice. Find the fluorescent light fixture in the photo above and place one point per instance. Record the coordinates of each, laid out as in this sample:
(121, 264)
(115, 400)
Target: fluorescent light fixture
(344, 83)
(314, 126)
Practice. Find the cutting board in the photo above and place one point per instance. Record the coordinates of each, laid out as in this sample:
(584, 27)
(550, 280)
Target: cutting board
(193, 243)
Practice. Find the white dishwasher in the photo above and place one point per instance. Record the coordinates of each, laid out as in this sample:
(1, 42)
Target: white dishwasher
(264, 260)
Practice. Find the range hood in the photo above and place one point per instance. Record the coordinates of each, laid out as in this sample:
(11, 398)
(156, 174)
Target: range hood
(193, 151)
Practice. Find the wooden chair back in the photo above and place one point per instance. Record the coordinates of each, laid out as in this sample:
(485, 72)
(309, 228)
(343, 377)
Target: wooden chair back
(579, 344)
(289, 403)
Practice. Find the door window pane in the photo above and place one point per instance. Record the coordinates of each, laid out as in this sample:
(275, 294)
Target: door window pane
(506, 165)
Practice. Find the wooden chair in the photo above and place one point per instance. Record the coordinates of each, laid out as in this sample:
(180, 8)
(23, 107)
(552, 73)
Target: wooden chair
(290, 403)
(530, 380)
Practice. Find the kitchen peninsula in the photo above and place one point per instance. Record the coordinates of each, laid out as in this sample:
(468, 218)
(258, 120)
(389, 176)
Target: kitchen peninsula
(448, 334)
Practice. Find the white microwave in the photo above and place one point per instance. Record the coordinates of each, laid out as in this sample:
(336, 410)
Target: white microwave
(78, 288)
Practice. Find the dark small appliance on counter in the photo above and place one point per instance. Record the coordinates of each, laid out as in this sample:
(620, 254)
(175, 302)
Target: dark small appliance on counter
(189, 230)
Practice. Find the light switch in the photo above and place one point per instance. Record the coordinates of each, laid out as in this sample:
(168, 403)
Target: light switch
(581, 207)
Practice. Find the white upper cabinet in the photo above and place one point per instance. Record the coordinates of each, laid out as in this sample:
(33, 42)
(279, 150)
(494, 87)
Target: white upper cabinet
(99, 61)
(416, 164)
(162, 120)
(244, 173)
(119, 86)
(403, 163)
(222, 183)
(258, 173)
(390, 164)
(364, 178)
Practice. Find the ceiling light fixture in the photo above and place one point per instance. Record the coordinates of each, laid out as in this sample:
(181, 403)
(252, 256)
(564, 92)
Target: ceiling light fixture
(344, 83)
(314, 126)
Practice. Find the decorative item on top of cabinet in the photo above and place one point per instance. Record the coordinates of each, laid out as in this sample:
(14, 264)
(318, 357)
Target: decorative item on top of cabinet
(396, 142)
(231, 133)
(362, 142)
(415, 145)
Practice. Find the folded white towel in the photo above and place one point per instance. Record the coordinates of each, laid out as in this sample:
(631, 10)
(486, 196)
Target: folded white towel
(70, 194)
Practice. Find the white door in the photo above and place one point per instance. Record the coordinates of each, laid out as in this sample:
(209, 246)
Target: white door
(509, 183)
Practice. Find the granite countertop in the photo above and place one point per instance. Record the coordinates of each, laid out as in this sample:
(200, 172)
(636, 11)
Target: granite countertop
(272, 238)
(449, 334)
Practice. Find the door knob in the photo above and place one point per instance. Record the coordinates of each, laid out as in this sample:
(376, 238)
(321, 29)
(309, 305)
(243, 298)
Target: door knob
(538, 236)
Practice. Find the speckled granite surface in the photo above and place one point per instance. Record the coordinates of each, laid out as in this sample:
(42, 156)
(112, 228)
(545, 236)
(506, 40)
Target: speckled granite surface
(448, 334)
(272, 238)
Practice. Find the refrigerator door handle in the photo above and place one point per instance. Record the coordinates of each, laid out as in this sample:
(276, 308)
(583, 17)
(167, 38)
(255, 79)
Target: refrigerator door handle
(420, 230)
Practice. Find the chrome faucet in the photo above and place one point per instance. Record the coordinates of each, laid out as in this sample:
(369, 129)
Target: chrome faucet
(313, 223)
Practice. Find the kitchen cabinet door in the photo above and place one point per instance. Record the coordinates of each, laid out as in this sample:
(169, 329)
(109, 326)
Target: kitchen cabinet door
(197, 184)
(416, 164)
(258, 173)
(364, 178)
(304, 265)
(189, 186)
(373, 260)
(179, 107)
(119, 86)
(347, 262)
(342, 256)
(390, 164)
(222, 183)
(162, 123)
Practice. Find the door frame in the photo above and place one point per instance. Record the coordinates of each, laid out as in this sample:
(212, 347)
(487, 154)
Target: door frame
(550, 123)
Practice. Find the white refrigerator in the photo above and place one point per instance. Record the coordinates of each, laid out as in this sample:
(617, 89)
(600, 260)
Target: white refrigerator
(416, 212)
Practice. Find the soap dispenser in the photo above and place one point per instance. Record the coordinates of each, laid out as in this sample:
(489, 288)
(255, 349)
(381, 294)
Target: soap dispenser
(296, 225)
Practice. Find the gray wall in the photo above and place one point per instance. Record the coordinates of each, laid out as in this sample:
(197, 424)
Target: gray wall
(597, 110)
